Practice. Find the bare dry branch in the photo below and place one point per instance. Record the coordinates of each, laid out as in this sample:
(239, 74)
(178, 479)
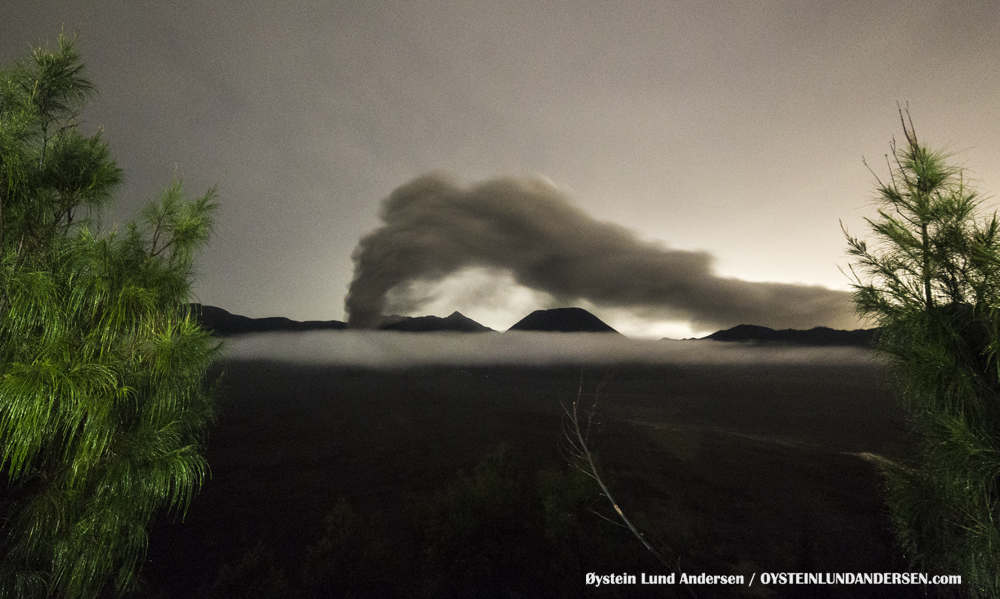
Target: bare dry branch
(583, 459)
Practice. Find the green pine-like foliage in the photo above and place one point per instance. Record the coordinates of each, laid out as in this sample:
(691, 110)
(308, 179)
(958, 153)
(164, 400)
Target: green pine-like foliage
(930, 279)
(104, 394)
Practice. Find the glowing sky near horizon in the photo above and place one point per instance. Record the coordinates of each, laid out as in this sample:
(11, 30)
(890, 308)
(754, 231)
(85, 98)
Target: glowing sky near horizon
(733, 128)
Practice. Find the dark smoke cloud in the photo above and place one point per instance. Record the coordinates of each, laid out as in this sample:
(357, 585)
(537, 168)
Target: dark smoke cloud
(434, 228)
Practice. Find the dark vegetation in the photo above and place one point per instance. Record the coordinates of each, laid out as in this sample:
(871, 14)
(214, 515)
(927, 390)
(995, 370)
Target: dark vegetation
(930, 277)
(103, 396)
(491, 532)
(737, 469)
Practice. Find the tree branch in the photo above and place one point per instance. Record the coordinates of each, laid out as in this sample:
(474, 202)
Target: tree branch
(584, 461)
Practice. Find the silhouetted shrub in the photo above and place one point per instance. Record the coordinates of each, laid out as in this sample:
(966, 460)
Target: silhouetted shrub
(493, 532)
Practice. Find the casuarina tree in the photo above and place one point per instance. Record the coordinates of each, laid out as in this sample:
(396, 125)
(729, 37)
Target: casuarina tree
(929, 277)
(104, 394)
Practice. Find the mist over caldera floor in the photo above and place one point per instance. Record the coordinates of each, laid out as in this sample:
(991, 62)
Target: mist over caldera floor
(741, 466)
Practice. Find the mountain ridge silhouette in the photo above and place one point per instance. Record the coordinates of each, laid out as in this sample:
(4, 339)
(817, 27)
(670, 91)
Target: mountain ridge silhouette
(223, 323)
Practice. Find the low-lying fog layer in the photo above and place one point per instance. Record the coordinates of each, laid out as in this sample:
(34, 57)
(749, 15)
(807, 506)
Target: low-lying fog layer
(382, 349)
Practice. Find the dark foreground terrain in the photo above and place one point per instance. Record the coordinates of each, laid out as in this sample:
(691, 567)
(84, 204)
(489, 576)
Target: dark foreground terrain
(733, 469)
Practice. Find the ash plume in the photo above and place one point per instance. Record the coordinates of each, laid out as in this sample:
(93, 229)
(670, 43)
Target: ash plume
(433, 228)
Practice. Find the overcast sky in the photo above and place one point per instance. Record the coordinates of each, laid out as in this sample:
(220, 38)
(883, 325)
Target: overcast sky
(732, 128)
